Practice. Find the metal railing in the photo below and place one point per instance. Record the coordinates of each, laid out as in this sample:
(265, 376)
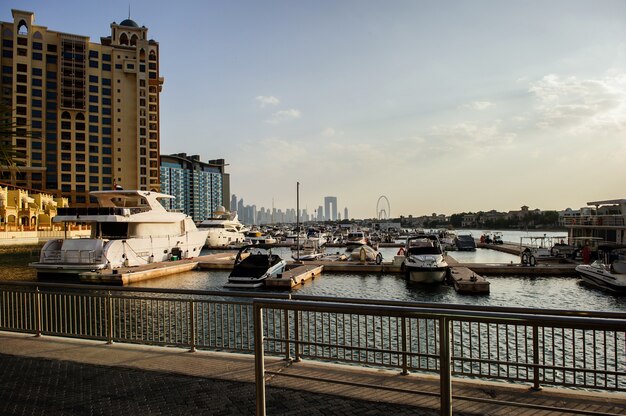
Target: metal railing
(537, 347)
(70, 256)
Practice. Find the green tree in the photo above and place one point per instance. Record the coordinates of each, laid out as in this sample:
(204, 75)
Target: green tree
(7, 132)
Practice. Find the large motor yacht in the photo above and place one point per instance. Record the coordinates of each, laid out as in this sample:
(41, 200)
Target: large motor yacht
(128, 228)
(224, 229)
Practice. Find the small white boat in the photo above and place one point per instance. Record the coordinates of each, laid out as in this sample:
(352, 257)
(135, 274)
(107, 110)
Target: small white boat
(424, 260)
(608, 272)
(129, 228)
(310, 250)
(356, 237)
(448, 240)
(224, 229)
(253, 265)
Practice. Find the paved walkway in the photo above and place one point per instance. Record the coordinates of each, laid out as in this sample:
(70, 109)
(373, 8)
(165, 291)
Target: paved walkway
(61, 376)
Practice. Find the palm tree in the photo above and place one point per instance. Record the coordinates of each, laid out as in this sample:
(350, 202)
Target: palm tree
(7, 132)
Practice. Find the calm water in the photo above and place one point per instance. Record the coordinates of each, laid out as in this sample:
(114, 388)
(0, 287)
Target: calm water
(534, 292)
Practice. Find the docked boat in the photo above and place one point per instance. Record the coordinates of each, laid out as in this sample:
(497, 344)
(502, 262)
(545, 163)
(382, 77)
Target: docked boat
(356, 237)
(465, 242)
(448, 240)
(424, 259)
(224, 229)
(604, 221)
(254, 264)
(310, 250)
(363, 253)
(128, 228)
(608, 272)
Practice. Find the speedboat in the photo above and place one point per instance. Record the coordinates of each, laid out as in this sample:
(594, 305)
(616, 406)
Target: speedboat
(465, 242)
(356, 237)
(128, 228)
(424, 260)
(608, 272)
(254, 264)
(224, 229)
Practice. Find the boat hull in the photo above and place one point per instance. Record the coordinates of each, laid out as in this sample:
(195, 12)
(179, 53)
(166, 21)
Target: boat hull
(224, 239)
(427, 275)
(75, 256)
(244, 282)
(602, 278)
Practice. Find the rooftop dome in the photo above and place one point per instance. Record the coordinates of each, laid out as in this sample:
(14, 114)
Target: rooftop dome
(129, 23)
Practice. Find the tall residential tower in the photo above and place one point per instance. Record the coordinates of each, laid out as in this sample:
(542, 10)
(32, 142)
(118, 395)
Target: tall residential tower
(86, 114)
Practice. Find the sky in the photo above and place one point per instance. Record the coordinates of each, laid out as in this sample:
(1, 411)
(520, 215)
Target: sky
(441, 106)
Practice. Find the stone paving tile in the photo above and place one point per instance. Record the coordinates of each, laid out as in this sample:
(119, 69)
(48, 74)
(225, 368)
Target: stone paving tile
(36, 386)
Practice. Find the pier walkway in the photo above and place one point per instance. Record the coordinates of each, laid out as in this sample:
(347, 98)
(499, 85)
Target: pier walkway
(50, 375)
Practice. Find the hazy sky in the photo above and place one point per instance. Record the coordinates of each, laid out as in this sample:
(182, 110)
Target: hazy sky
(442, 106)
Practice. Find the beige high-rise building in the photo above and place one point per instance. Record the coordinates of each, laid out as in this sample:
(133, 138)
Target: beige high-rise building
(86, 114)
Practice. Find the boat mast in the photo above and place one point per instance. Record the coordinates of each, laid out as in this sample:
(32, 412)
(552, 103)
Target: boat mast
(298, 220)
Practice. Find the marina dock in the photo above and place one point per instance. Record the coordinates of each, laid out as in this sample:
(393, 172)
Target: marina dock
(466, 280)
(296, 275)
(127, 275)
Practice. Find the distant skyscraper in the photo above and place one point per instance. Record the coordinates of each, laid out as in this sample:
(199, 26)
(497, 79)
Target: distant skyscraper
(345, 213)
(328, 201)
(320, 213)
(233, 203)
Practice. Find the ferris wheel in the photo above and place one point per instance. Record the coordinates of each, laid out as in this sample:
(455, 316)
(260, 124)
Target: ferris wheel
(383, 208)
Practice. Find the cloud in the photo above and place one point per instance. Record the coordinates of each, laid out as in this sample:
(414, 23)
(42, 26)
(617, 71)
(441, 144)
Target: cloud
(329, 132)
(284, 116)
(469, 138)
(265, 101)
(478, 105)
(581, 105)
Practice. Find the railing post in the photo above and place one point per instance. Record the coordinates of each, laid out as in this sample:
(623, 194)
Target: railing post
(405, 369)
(109, 310)
(445, 379)
(192, 326)
(296, 332)
(39, 312)
(259, 361)
(287, 343)
(536, 385)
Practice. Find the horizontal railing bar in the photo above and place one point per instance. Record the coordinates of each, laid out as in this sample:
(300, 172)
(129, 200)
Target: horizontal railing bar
(384, 310)
(377, 302)
(454, 306)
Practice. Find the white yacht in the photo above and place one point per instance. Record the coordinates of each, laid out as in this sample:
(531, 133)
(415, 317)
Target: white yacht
(128, 228)
(609, 271)
(424, 260)
(224, 229)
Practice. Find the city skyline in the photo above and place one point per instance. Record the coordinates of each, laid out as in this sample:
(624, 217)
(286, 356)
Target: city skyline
(443, 107)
